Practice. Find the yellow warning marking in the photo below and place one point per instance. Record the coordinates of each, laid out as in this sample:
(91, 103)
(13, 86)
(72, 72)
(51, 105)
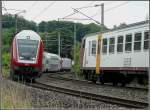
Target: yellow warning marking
(98, 55)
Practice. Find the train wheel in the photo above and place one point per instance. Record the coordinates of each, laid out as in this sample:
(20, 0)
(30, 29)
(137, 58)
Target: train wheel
(94, 81)
(101, 79)
(123, 84)
(32, 80)
(102, 83)
(85, 75)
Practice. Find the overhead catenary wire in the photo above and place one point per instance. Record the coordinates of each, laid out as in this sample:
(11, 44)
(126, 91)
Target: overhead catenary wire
(65, 18)
(14, 9)
(110, 9)
(76, 19)
(39, 14)
(77, 12)
(68, 15)
(95, 13)
(92, 6)
(31, 7)
(86, 15)
(5, 7)
(85, 7)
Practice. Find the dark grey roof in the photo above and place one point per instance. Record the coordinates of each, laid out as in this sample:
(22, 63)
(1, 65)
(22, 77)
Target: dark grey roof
(118, 28)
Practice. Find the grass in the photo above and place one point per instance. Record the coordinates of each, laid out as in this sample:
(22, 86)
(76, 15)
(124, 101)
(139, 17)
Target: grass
(5, 72)
(18, 96)
(13, 98)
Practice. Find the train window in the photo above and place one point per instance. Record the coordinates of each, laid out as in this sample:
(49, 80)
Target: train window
(27, 49)
(89, 48)
(93, 47)
(137, 41)
(120, 44)
(146, 34)
(104, 48)
(128, 42)
(111, 45)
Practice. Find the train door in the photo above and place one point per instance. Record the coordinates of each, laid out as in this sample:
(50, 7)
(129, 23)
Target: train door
(98, 53)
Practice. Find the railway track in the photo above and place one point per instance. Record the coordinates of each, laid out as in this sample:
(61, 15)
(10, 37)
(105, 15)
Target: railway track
(81, 94)
(57, 76)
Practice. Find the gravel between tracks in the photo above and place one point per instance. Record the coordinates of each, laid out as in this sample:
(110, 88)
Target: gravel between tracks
(49, 99)
(99, 89)
(72, 76)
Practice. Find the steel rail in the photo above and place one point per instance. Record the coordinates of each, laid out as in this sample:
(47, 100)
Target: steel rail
(89, 82)
(107, 99)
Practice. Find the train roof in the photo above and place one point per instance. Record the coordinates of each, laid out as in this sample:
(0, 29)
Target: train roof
(119, 28)
(50, 54)
(24, 33)
(66, 58)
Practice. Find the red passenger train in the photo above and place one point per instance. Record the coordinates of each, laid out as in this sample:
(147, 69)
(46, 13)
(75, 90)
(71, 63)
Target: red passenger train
(26, 55)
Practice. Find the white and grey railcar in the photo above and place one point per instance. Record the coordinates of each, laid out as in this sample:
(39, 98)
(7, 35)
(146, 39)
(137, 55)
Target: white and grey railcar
(66, 64)
(122, 51)
(51, 62)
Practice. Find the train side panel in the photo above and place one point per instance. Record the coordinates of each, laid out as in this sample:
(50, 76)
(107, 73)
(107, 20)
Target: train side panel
(124, 54)
(139, 58)
(51, 62)
(66, 64)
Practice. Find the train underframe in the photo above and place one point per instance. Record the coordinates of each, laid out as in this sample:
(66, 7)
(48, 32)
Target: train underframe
(27, 73)
(115, 77)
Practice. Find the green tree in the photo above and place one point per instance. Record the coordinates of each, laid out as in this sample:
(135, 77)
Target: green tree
(76, 66)
(9, 22)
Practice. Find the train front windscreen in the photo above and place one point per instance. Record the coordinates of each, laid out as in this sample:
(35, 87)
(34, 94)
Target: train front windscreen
(27, 49)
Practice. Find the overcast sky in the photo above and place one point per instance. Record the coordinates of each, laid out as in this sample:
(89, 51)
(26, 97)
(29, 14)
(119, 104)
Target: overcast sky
(116, 12)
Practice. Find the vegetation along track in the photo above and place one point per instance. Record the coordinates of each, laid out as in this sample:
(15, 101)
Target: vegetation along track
(107, 99)
(58, 76)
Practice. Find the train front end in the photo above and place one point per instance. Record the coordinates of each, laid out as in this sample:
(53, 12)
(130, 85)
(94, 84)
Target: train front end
(26, 55)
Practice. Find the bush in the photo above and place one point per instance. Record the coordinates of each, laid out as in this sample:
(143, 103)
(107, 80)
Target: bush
(5, 64)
